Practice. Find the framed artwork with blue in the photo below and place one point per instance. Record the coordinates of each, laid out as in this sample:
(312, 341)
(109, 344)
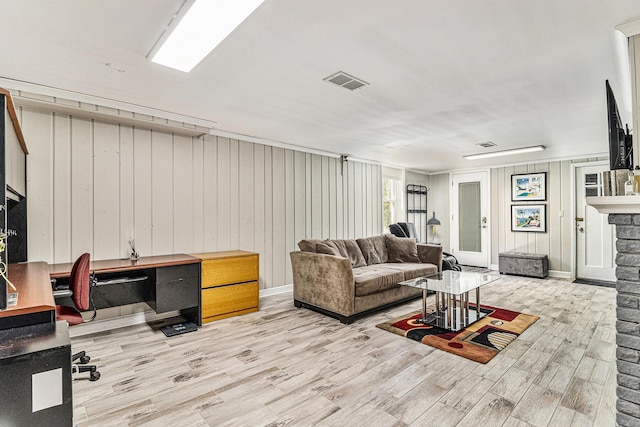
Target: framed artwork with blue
(532, 218)
(529, 186)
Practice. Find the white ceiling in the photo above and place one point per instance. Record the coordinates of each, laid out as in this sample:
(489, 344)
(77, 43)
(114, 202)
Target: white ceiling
(444, 75)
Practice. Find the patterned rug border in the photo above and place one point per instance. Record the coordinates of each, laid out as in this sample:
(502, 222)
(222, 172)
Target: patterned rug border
(481, 341)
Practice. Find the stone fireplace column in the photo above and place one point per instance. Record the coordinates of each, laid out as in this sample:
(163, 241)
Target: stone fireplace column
(624, 213)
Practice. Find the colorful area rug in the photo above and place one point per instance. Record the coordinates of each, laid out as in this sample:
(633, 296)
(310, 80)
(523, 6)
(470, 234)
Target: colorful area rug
(480, 341)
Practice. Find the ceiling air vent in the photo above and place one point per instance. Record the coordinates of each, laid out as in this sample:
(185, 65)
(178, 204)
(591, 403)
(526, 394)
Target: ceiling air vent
(486, 144)
(345, 80)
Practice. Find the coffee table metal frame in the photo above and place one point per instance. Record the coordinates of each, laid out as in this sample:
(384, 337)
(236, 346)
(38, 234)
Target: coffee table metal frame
(448, 286)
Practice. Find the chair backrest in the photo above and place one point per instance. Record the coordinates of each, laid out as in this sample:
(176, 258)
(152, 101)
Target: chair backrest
(79, 282)
(397, 231)
(409, 229)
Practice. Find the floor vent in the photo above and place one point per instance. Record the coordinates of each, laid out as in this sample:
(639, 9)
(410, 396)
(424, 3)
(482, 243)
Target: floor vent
(345, 80)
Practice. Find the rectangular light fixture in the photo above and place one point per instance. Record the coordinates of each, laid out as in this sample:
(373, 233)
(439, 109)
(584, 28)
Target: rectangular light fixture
(505, 152)
(197, 29)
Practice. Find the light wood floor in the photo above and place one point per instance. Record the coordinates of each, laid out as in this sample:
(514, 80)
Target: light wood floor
(285, 366)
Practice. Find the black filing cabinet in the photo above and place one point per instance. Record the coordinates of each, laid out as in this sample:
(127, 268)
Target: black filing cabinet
(176, 288)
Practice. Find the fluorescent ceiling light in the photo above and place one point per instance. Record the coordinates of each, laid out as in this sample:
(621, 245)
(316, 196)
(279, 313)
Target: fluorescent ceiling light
(204, 25)
(505, 152)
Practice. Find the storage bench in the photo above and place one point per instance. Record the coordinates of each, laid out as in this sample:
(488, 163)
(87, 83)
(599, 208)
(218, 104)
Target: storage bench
(523, 264)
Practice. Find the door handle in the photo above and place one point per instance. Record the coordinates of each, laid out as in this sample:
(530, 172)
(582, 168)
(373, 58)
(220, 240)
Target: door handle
(581, 229)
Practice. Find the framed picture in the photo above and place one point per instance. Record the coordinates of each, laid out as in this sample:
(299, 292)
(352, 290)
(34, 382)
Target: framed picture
(529, 218)
(530, 186)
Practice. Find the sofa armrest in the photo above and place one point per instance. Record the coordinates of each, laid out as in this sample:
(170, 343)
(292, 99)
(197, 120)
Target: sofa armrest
(431, 254)
(325, 281)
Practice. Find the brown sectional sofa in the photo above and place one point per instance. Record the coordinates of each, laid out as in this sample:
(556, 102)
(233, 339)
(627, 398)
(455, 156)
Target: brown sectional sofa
(348, 278)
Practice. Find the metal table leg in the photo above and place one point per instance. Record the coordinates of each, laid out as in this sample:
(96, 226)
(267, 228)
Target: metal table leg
(424, 306)
(466, 308)
(478, 301)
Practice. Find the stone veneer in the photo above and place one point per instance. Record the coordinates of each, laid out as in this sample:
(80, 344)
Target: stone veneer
(628, 317)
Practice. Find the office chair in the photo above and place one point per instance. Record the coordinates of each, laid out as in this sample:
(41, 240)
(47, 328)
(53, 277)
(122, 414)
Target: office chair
(408, 230)
(404, 229)
(80, 282)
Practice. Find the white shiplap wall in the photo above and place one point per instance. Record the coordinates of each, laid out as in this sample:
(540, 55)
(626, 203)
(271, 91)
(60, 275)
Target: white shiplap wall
(93, 185)
(557, 242)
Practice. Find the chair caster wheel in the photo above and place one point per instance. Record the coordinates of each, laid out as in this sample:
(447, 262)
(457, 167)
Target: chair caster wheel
(85, 359)
(95, 376)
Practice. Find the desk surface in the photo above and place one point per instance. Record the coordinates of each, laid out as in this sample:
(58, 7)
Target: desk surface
(115, 265)
(34, 289)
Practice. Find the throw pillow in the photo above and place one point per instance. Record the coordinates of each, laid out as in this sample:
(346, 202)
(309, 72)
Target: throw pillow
(308, 245)
(401, 249)
(323, 248)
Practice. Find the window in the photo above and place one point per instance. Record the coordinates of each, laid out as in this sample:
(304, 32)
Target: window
(392, 197)
(389, 202)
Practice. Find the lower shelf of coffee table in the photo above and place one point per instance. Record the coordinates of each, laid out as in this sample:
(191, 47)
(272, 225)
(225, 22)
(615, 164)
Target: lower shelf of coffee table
(459, 319)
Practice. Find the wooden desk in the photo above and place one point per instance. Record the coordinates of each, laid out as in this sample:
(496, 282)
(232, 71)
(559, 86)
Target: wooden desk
(35, 299)
(120, 265)
(166, 283)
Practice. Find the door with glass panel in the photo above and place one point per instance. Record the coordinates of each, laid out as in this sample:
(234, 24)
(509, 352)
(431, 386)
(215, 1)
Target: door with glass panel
(470, 218)
(595, 237)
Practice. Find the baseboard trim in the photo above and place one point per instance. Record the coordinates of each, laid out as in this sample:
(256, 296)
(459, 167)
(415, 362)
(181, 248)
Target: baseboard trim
(560, 274)
(276, 291)
(148, 316)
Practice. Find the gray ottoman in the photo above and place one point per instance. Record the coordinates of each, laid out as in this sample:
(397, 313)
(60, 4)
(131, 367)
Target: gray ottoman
(523, 264)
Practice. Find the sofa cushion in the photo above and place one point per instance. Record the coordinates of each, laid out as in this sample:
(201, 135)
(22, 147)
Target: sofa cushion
(323, 248)
(350, 249)
(371, 279)
(413, 270)
(309, 245)
(374, 249)
(401, 249)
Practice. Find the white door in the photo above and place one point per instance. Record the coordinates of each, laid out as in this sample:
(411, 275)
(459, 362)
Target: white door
(470, 218)
(595, 238)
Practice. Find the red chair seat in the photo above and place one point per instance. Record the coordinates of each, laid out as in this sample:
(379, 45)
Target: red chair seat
(69, 314)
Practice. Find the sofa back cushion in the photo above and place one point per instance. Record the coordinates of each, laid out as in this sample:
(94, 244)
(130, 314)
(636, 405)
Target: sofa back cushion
(401, 249)
(374, 249)
(350, 249)
(324, 248)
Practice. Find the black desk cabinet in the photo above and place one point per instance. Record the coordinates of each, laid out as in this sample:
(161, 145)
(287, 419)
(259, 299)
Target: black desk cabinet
(35, 373)
(176, 288)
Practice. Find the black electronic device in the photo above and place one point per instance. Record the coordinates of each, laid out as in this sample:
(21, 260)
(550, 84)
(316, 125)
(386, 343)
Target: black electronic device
(178, 329)
(620, 141)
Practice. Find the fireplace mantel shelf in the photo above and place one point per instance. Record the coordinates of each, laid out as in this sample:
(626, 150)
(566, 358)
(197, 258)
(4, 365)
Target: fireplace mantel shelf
(615, 204)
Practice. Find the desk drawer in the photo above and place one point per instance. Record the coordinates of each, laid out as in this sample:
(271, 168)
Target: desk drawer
(174, 272)
(225, 271)
(227, 301)
(175, 295)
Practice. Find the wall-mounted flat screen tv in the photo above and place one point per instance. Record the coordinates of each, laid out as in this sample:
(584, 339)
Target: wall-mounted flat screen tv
(620, 140)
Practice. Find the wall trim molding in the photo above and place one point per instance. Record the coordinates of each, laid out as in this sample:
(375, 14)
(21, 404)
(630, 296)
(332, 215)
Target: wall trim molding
(560, 274)
(264, 293)
(49, 94)
(149, 316)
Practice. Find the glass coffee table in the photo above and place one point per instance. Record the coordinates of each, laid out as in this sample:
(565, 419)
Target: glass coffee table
(452, 297)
